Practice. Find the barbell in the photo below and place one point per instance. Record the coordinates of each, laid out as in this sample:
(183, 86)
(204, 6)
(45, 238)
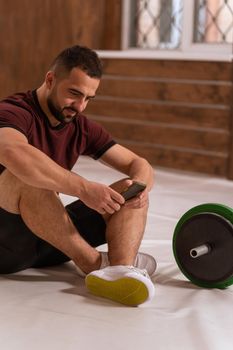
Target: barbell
(203, 245)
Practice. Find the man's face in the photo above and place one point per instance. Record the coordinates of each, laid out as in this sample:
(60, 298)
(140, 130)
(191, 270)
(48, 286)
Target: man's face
(68, 96)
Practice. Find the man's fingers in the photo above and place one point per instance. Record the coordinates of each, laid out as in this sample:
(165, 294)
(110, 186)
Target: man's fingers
(117, 197)
(137, 202)
(109, 209)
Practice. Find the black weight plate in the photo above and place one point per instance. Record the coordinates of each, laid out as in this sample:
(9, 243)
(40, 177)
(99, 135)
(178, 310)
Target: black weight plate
(212, 229)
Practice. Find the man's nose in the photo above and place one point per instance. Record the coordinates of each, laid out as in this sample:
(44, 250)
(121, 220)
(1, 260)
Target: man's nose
(80, 105)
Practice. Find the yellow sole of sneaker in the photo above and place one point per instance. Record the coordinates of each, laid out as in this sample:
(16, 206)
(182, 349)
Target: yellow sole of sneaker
(127, 291)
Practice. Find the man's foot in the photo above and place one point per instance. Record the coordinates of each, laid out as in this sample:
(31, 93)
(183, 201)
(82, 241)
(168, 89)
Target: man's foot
(127, 285)
(143, 262)
(146, 262)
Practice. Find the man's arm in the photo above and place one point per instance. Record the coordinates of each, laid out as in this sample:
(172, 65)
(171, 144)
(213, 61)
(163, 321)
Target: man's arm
(137, 168)
(127, 162)
(36, 169)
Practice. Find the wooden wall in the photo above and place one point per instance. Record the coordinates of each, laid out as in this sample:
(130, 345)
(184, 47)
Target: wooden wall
(177, 114)
(32, 32)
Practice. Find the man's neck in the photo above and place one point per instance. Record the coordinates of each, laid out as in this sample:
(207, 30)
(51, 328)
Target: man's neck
(42, 98)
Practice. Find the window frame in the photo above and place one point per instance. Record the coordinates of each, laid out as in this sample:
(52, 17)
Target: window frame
(188, 50)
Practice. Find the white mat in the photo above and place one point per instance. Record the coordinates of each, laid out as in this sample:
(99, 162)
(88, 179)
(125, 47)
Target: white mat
(51, 309)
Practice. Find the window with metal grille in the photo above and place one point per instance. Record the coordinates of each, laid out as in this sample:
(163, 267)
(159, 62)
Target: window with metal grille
(178, 25)
(213, 21)
(157, 24)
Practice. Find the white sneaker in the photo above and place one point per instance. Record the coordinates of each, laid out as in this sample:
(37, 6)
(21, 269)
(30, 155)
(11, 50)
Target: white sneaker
(146, 262)
(143, 262)
(127, 285)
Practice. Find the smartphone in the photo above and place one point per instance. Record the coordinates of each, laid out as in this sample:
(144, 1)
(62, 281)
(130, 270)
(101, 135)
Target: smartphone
(134, 189)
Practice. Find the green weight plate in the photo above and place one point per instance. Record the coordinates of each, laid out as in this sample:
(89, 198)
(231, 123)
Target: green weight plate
(207, 222)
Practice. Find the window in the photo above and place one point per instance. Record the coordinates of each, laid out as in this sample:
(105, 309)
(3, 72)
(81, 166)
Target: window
(182, 28)
(213, 21)
(156, 24)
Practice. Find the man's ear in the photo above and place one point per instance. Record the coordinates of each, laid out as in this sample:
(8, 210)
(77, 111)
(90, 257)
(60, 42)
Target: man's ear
(49, 79)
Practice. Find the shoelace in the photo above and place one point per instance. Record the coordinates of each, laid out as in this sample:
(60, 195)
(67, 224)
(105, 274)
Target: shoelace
(139, 271)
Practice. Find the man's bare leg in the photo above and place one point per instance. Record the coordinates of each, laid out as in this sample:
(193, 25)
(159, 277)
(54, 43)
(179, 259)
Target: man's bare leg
(45, 215)
(125, 231)
(43, 212)
(120, 282)
(124, 234)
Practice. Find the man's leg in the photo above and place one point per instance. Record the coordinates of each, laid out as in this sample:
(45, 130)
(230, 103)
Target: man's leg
(125, 231)
(44, 214)
(121, 281)
(122, 231)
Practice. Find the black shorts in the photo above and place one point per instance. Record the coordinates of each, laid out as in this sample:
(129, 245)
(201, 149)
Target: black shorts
(20, 248)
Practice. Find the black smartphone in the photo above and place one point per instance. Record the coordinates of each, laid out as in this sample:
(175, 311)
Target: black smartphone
(133, 190)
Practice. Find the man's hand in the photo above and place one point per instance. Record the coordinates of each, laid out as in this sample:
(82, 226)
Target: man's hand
(138, 201)
(101, 198)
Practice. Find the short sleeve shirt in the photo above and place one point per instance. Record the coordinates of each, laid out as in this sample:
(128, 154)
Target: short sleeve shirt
(63, 143)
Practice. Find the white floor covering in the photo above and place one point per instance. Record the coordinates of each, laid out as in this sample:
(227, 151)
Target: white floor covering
(51, 309)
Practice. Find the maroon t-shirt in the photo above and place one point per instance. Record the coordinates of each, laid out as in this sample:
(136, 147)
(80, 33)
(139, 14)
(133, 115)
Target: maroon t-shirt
(63, 143)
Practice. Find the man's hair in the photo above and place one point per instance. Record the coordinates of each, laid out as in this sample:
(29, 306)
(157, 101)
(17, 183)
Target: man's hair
(78, 57)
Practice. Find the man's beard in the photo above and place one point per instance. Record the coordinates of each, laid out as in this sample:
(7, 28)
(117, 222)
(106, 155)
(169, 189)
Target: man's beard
(58, 112)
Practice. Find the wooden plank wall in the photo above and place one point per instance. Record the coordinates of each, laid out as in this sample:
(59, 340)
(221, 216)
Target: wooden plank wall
(175, 113)
(230, 166)
(33, 32)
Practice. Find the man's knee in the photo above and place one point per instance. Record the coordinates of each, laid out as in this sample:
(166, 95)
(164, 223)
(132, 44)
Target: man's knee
(9, 192)
(13, 190)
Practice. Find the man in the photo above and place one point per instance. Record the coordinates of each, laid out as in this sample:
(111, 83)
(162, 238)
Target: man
(42, 134)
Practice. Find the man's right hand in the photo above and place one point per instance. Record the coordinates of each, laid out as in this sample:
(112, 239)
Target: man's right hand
(101, 198)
